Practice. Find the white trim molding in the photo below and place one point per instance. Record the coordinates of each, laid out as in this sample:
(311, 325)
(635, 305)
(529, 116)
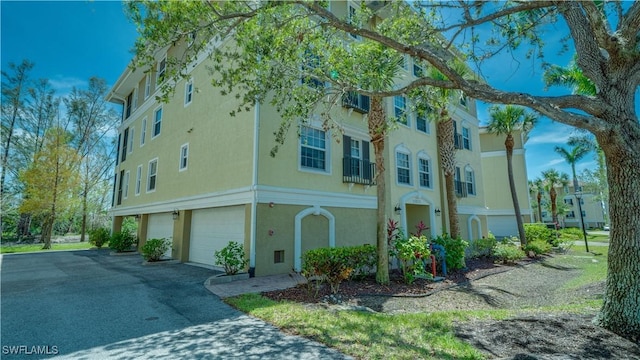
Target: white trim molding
(297, 234)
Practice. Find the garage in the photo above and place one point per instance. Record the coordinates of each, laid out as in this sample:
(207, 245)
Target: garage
(161, 226)
(502, 225)
(212, 229)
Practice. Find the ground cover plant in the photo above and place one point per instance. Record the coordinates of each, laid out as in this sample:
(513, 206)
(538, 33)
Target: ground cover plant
(23, 248)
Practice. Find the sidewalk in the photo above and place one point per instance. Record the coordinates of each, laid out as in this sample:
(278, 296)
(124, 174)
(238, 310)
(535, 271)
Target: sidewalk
(256, 285)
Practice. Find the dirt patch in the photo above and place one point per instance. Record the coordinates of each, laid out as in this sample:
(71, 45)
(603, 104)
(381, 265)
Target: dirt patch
(484, 285)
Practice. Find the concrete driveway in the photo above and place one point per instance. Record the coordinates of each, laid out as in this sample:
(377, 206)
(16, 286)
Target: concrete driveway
(90, 305)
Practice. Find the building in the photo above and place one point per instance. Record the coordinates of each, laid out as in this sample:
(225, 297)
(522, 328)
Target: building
(594, 210)
(190, 172)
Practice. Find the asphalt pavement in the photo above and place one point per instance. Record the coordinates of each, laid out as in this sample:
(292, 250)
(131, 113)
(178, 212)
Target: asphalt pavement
(92, 305)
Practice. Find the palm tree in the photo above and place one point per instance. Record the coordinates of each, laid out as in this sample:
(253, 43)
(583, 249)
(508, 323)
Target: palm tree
(504, 121)
(536, 187)
(572, 157)
(553, 178)
(571, 76)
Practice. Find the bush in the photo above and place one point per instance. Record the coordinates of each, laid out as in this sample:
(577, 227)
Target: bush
(362, 259)
(538, 247)
(539, 231)
(508, 253)
(328, 264)
(231, 257)
(572, 233)
(411, 253)
(483, 247)
(122, 241)
(454, 248)
(153, 249)
(98, 237)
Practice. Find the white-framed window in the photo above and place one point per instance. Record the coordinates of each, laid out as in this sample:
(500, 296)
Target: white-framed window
(184, 157)
(157, 122)
(424, 171)
(138, 179)
(132, 132)
(470, 180)
(162, 70)
(152, 175)
(126, 185)
(403, 168)
(313, 149)
(352, 13)
(143, 131)
(188, 92)
(405, 62)
(147, 86)
(310, 63)
(466, 138)
(422, 124)
(135, 98)
(463, 100)
(418, 68)
(191, 38)
(400, 109)
(356, 155)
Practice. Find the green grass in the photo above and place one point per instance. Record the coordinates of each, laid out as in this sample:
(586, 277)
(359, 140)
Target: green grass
(593, 267)
(8, 249)
(368, 335)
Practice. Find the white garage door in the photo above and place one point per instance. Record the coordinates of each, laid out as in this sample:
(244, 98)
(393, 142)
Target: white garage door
(503, 225)
(161, 226)
(212, 229)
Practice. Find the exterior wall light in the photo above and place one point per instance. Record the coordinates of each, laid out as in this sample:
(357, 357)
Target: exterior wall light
(175, 214)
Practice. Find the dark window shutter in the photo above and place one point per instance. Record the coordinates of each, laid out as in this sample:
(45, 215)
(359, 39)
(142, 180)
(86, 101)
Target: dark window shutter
(365, 160)
(346, 159)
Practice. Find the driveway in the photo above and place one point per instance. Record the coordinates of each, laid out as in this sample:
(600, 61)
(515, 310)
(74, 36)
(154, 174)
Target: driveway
(91, 305)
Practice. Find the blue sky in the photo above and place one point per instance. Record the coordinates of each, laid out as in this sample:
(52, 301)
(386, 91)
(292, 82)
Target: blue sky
(70, 41)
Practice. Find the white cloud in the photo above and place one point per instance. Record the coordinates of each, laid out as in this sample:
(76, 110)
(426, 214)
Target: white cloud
(549, 138)
(63, 84)
(553, 162)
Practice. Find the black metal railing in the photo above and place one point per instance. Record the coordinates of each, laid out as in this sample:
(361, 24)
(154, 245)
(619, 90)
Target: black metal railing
(358, 171)
(357, 102)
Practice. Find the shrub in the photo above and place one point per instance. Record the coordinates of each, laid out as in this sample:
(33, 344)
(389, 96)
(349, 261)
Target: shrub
(483, 247)
(508, 253)
(411, 253)
(122, 241)
(98, 237)
(362, 259)
(454, 249)
(538, 247)
(572, 233)
(231, 257)
(328, 264)
(153, 249)
(539, 231)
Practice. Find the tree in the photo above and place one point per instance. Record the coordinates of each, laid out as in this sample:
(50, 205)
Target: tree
(553, 178)
(572, 157)
(505, 120)
(14, 89)
(91, 120)
(604, 36)
(50, 181)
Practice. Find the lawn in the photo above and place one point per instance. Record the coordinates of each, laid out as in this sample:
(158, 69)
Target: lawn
(369, 335)
(8, 249)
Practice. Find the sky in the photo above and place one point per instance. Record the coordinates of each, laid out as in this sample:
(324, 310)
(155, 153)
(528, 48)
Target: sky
(71, 41)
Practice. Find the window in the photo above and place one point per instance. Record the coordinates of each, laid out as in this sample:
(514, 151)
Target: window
(584, 213)
(127, 110)
(470, 179)
(118, 150)
(278, 256)
(188, 92)
(352, 20)
(424, 171)
(152, 175)
(143, 133)
(571, 214)
(405, 62)
(125, 142)
(403, 168)
(120, 186)
(460, 187)
(356, 166)
(147, 87)
(466, 138)
(568, 201)
(463, 100)
(311, 63)
(162, 70)
(422, 124)
(138, 179)
(400, 109)
(418, 69)
(131, 137)
(313, 148)
(126, 185)
(135, 99)
(157, 123)
(184, 156)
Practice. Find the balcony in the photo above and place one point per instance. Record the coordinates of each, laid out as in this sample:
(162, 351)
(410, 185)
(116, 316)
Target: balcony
(457, 141)
(460, 188)
(357, 102)
(358, 171)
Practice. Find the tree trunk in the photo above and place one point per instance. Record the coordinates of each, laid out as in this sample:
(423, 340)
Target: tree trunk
(508, 143)
(539, 198)
(620, 312)
(554, 208)
(47, 229)
(377, 131)
(83, 227)
(447, 150)
(24, 226)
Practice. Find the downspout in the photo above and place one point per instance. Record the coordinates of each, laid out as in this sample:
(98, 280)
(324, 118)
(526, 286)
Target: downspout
(254, 189)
